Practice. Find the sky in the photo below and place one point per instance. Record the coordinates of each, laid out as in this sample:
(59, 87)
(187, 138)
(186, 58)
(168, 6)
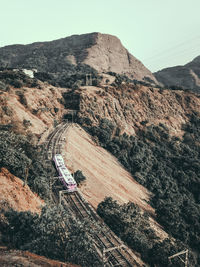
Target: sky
(160, 33)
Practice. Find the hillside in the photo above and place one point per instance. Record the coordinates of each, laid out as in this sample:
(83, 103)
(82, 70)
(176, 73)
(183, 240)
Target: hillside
(102, 52)
(30, 109)
(105, 176)
(187, 76)
(133, 107)
(16, 196)
(27, 259)
(151, 135)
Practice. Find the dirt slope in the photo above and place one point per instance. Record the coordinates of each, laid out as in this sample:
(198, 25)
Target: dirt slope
(34, 112)
(13, 194)
(26, 259)
(105, 176)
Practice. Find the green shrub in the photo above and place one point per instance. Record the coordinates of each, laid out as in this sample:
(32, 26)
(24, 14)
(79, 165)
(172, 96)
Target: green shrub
(17, 78)
(168, 167)
(7, 110)
(16, 83)
(27, 123)
(22, 98)
(4, 87)
(79, 177)
(54, 234)
(17, 154)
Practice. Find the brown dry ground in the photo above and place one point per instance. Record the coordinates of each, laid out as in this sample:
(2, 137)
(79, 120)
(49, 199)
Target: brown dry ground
(134, 108)
(39, 108)
(105, 176)
(14, 195)
(26, 259)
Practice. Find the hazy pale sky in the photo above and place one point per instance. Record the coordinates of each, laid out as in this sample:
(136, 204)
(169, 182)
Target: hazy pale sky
(160, 33)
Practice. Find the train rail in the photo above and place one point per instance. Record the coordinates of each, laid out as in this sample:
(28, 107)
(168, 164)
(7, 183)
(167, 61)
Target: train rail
(107, 243)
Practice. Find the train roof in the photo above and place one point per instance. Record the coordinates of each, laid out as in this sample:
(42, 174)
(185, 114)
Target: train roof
(58, 156)
(59, 159)
(66, 174)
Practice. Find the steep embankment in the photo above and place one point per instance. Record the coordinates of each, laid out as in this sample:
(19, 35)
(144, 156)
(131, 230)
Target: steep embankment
(16, 196)
(105, 176)
(31, 110)
(133, 107)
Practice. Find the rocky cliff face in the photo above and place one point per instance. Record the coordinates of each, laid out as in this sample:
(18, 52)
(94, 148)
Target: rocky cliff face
(134, 107)
(102, 52)
(187, 76)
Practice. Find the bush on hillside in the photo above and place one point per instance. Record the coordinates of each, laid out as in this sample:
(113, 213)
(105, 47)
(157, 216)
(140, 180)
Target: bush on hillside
(17, 79)
(17, 154)
(71, 77)
(4, 87)
(79, 177)
(133, 227)
(169, 167)
(54, 234)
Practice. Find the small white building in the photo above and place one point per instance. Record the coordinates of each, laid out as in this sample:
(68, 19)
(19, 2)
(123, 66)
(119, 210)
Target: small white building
(30, 73)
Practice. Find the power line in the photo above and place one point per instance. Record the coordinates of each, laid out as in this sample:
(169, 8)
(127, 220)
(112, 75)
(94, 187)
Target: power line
(177, 53)
(174, 56)
(173, 47)
(183, 252)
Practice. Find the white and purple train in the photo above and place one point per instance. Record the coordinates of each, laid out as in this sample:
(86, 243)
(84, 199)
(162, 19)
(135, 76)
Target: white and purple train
(64, 174)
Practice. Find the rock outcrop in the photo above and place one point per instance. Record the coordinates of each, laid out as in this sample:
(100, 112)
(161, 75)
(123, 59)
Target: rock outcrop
(102, 52)
(133, 108)
(187, 76)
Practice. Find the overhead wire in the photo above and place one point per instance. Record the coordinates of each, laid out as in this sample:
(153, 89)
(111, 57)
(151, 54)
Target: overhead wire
(187, 48)
(172, 48)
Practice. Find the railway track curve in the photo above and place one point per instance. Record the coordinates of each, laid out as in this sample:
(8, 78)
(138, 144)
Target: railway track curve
(110, 248)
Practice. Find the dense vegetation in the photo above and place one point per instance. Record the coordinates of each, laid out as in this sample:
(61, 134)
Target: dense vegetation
(169, 167)
(42, 234)
(17, 154)
(54, 234)
(120, 78)
(133, 226)
(71, 77)
(16, 79)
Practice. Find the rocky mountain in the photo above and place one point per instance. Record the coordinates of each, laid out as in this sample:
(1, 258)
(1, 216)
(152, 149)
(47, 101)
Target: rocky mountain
(187, 76)
(134, 107)
(151, 135)
(102, 52)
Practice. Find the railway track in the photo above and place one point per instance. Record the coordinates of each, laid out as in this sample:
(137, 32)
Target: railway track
(108, 245)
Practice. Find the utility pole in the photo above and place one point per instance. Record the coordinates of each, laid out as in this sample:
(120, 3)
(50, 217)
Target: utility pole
(61, 194)
(179, 254)
(88, 80)
(26, 174)
(106, 250)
